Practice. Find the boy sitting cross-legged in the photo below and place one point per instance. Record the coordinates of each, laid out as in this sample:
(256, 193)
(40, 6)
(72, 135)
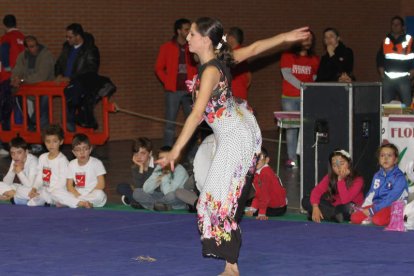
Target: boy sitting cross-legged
(85, 177)
(24, 166)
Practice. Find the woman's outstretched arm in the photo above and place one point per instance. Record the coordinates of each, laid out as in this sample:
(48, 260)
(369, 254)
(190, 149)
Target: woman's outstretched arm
(263, 45)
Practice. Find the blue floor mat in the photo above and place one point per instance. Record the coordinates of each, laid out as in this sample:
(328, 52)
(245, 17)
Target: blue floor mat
(61, 241)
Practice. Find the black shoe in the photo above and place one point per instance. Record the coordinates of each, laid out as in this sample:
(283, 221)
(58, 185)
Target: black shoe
(125, 200)
(47, 205)
(192, 208)
(135, 204)
(161, 207)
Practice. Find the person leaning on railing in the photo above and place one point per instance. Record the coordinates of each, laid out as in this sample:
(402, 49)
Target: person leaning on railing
(35, 64)
(79, 56)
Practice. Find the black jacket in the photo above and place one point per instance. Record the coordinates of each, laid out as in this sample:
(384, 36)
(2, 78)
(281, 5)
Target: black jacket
(331, 68)
(87, 60)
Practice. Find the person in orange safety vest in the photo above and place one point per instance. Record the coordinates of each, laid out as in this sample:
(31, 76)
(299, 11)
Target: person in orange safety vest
(395, 62)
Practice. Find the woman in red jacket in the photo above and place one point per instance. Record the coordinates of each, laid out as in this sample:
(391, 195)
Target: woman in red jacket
(338, 192)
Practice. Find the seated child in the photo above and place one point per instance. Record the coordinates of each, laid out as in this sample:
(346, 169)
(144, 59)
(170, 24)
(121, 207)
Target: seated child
(388, 185)
(85, 177)
(24, 166)
(142, 168)
(158, 192)
(201, 164)
(51, 171)
(334, 198)
(270, 198)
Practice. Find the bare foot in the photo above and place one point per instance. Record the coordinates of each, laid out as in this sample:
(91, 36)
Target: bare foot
(59, 205)
(3, 197)
(10, 194)
(230, 270)
(85, 204)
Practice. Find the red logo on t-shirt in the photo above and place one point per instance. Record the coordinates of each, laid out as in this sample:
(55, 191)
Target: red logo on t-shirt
(80, 179)
(47, 174)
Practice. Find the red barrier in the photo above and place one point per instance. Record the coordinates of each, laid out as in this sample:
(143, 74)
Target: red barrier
(54, 90)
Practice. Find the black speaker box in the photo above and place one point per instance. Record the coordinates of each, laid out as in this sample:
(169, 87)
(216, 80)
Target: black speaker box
(339, 116)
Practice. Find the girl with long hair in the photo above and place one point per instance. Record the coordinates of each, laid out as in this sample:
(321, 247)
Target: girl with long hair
(339, 192)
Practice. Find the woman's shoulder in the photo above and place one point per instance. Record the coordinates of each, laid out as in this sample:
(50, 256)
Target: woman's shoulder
(211, 67)
(214, 63)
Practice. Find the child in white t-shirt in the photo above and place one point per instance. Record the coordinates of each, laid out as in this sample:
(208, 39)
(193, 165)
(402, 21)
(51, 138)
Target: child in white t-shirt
(24, 166)
(51, 173)
(85, 177)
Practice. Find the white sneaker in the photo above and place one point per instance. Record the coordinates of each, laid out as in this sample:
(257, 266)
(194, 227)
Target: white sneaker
(4, 152)
(367, 221)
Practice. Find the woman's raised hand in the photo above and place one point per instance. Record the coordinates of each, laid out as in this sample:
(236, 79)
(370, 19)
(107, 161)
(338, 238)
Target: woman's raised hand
(297, 35)
(168, 158)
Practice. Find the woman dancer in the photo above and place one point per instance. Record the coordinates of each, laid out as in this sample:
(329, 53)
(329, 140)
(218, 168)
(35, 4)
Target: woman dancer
(236, 131)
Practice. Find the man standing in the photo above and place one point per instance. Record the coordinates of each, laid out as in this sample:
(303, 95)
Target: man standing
(240, 73)
(174, 66)
(35, 64)
(78, 57)
(395, 62)
(11, 45)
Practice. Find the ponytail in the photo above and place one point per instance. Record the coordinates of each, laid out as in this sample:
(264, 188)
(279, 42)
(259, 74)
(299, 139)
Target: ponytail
(224, 52)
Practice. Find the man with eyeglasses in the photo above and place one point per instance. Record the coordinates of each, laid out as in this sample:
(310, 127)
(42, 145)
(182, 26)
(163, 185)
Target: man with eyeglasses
(79, 57)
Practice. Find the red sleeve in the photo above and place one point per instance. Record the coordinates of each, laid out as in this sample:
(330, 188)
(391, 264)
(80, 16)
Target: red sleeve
(319, 190)
(262, 197)
(347, 195)
(286, 60)
(161, 63)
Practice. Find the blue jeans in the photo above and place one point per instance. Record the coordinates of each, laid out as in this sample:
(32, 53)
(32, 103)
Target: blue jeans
(291, 104)
(148, 200)
(400, 86)
(44, 113)
(173, 101)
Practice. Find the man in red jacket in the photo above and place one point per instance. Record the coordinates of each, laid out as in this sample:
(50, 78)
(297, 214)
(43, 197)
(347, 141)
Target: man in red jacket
(11, 46)
(174, 66)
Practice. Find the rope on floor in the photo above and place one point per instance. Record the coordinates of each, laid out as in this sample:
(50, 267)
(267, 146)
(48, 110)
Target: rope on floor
(157, 119)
